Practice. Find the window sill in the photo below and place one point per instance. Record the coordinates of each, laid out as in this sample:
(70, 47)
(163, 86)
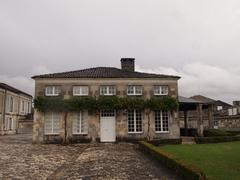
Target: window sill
(79, 133)
(161, 132)
(135, 132)
(160, 94)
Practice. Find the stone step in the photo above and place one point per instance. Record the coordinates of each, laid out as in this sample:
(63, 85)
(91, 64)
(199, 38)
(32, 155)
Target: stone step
(188, 140)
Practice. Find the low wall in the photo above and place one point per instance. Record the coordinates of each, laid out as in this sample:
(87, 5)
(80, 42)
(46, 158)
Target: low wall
(231, 123)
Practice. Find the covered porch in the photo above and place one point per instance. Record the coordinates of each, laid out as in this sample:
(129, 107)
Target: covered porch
(187, 105)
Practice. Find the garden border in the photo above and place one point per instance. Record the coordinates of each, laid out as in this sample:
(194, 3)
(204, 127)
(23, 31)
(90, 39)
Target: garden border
(186, 170)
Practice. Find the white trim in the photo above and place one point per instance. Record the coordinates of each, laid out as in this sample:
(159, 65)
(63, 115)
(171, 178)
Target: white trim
(161, 120)
(160, 90)
(81, 92)
(134, 90)
(108, 90)
(135, 123)
(55, 91)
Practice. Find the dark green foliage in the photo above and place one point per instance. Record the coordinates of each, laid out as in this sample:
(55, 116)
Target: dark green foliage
(215, 132)
(103, 103)
(217, 139)
(185, 169)
(163, 103)
(159, 142)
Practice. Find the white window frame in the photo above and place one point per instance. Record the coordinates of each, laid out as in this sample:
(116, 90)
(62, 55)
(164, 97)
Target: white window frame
(11, 104)
(161, 121)
(159, 88)
(108, 93)
(55, 90)
(51, 114)
(80, 91)
(22, 106)
(80, 119)
(134, 93)
(219, 108)
(135, 122)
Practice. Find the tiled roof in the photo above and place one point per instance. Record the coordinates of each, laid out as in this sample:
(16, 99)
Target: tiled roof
(203, 99)
(104, 72)
(12, 89)
(182, 99)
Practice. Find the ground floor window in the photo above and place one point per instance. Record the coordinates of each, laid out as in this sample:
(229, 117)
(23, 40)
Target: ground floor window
(161, 121)
(80, 123)
(9, 124)
(52, 123)
(135, 124)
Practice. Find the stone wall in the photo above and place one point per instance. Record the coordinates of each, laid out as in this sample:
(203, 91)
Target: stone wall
(65, 134)
(229, 123)
(94, 118)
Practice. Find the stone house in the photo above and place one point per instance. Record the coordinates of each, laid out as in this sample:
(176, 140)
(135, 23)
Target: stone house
(105, 125)
(14, 105)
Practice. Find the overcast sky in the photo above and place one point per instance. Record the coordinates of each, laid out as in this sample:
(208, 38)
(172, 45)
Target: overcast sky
(199, 40)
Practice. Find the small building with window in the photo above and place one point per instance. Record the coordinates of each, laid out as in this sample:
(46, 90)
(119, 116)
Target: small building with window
(105, 124)
(14, 106)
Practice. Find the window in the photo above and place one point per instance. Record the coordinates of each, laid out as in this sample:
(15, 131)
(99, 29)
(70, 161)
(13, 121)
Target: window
(107, 113)
(52, 91)
(11, 105)
(107, 90)
(22, 106)
(80, 123)
(160, 90)
(134, 90)
(29, 107)
(219, 108)
(9, 124)
(80, 90)
(52, 123)
(135, 121)
(161, 121)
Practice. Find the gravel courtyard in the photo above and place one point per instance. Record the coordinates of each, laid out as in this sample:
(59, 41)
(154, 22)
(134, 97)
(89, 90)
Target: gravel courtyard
(19, 159)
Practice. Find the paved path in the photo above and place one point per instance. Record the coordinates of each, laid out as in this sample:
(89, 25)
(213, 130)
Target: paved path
(19, 159)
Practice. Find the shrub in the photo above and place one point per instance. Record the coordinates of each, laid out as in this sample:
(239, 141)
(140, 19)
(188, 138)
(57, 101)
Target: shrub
(158, 142)
(215, 132)
(219, 139)
(187, 170)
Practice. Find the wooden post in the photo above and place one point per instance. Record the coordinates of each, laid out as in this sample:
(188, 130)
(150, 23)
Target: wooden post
(186, 122)
(200, 119)
(210, 116)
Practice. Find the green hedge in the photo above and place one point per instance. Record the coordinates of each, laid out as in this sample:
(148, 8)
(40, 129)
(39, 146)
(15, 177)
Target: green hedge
(219, 139)
(159, 142)
(215, 132)
(103, 103)
(186, 170)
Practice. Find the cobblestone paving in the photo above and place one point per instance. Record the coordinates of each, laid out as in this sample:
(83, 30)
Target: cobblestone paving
(115, 161)
(19, 159)
(24, 160)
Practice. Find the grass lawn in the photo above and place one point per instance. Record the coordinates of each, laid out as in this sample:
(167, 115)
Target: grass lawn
(218, 161)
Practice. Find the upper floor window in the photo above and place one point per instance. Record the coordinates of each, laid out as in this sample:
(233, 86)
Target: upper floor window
(160, 90)
(52, 91)
(134, 90)
(219, 108)
(80, 90)
(107, 90)
(22, 106)
(11, 104)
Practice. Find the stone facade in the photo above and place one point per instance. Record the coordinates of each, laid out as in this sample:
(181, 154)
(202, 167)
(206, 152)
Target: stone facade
(65, 134)
(13, 107)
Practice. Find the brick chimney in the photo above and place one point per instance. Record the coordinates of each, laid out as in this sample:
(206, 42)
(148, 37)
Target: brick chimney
(128, 64)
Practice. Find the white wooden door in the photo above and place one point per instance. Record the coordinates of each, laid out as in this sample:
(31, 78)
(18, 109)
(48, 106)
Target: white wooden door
(108, 126)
